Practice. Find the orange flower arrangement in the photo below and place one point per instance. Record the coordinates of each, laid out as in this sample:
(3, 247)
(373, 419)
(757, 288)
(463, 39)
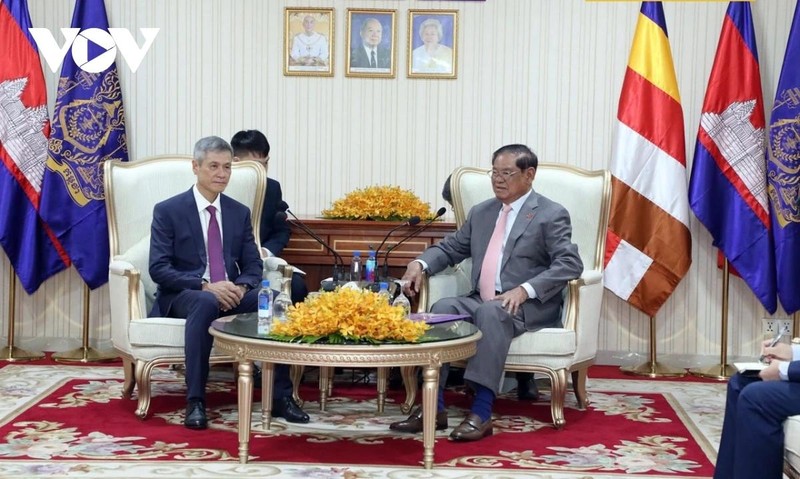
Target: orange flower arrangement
(382, 203)
(348, 314)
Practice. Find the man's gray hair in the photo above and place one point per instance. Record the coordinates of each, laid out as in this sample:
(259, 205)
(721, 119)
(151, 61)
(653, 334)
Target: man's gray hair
(208, 144)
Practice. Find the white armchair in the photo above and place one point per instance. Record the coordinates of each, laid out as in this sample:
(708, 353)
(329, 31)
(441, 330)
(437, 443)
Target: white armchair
(132, 190)
(554, 352)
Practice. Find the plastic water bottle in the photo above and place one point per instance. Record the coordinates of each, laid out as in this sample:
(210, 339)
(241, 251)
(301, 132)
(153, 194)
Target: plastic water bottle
(369, 267)
(355, 266)
(264, 308)
(384, 292)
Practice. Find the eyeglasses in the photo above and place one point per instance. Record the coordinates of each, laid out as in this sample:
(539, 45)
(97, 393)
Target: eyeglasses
(502, 174)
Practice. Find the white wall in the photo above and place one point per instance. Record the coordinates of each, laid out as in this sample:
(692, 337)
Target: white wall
(543, 72)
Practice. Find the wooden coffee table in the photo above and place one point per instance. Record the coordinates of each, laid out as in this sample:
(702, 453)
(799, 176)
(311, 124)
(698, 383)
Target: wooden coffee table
(238, 337)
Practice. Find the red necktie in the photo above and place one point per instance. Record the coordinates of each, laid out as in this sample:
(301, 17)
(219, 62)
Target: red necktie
(493, 251)
(216, 262)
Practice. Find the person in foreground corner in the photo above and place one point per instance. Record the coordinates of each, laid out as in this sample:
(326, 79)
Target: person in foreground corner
(205, 271)
(523, 256)
(752, 441)
(274, 232)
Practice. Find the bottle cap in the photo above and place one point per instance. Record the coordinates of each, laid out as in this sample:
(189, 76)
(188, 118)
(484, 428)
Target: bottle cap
(357, 253)
(265, 283)
(384, 285)
(372, 253)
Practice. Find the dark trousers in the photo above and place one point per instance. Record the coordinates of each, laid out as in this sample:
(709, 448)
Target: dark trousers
(751, 446)
(200, 308)
(299, 288)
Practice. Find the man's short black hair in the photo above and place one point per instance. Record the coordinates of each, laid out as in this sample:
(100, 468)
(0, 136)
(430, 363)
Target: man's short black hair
(446, 194)
(250, 141)
(525, 157)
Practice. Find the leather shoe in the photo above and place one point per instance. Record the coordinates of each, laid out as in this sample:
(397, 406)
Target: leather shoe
(472, 429)
(413, 423)
(195, 415)
(527, 390)
(286, 408)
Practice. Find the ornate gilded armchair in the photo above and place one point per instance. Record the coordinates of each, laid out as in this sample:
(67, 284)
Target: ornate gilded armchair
(132, 190)
(554, 352)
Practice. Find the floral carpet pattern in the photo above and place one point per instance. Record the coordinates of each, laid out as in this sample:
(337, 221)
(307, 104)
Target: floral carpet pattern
(59, 421)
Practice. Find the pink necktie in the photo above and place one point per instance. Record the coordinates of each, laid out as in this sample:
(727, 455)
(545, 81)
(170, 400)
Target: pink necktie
(493, 251)
(216, 263)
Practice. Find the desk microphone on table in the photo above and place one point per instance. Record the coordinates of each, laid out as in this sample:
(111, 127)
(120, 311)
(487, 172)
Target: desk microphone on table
(338, 266)
(439, 213)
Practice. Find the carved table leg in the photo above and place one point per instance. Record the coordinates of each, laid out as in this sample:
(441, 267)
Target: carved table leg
(430, 384)
(325, 382)
(245, 403)
(267, 377)
(383, 375)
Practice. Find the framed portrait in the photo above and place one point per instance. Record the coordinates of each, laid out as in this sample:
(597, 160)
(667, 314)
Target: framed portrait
(308, 42)
(432, 44)
(371, 42)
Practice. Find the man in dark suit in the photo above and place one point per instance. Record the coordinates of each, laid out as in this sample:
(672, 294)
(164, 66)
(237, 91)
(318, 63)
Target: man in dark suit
(274, 232)
(204, 258)
(752, 441)
(371, 54)
(523, 256)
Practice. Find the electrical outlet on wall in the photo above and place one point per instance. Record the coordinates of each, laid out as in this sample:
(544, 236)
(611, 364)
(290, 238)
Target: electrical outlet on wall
(771, 326)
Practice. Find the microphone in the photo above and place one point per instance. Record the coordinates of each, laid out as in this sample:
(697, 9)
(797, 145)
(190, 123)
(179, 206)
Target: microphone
(413, 221)
(338, 261)
(439, 213)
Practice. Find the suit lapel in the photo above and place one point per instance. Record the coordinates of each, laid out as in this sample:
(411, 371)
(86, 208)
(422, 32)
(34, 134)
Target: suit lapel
(193, 217)
(524, 218)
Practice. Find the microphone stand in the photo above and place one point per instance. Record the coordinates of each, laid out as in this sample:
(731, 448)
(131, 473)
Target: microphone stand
(413, 221)
(338, 262)
(415, 233)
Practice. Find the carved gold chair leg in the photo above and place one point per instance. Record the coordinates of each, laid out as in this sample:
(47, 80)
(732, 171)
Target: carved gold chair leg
(579, 386)
(129, 369)
(409, 374)
(142, 374)
(296, 375)
(558, 381)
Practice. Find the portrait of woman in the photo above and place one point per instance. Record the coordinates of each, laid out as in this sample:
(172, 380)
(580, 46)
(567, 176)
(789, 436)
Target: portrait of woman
(432, 37)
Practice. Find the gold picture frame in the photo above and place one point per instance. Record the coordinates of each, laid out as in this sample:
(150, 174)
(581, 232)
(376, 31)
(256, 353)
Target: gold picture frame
(371, 43)
(432, 48)
(308, 41)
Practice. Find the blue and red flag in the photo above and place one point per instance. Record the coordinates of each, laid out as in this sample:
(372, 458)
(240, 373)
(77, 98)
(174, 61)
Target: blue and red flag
(728, 186)
(783, 170)
(33, 251)
(88, 129)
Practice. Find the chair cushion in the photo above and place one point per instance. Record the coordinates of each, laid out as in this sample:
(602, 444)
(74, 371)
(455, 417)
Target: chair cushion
(791, 428)
(139, 256)
(157, 332)
(544, 342)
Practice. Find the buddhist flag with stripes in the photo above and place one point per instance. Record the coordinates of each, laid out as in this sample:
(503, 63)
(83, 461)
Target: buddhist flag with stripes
(784, 172)
(728, 187)
(649, 245)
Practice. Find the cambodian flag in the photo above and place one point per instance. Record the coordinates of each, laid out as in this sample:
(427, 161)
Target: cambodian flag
(33, 251)
(728, 186)
(88, 129)
(784, 172)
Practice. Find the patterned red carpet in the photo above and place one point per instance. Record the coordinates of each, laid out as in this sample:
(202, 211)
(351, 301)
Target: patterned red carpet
(70, 420)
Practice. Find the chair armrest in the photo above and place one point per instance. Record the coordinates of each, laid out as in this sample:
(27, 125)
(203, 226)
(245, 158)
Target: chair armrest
(126, 300)
(590, 276)
(445, 284)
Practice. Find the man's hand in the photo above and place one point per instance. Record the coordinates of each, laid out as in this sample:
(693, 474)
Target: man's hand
(513, 299)
(780, 352)
(228, 294)
(771, 372)
(413, 278)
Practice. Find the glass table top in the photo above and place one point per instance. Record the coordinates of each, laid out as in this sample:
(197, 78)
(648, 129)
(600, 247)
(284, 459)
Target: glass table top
(246, 325)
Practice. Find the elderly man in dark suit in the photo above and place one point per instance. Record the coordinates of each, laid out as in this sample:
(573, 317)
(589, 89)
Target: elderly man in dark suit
(523, 256)
(204, 258)
(752, 441)
(274, 232)
(370, 54)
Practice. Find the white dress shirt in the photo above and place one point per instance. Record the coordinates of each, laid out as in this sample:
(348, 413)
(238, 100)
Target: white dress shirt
(205, 218)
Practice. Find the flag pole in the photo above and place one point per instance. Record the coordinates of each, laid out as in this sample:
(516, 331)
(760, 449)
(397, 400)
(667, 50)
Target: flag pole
(12, 353)
(85, 354)
(723, 370)
(653, 368)
(796, 320)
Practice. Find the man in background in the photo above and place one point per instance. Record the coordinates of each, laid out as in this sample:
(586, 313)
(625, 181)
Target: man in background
(200, 280)
(274, 231)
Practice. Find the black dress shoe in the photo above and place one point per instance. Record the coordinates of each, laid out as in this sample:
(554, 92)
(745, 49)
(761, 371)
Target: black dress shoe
(413, 424)
(472, 429)
(526, 388)
(286, 408)
(195, 415)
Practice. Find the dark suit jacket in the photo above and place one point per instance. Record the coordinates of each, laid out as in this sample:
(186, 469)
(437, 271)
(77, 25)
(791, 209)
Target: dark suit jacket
(359, 58)
(539, 251)
(178, 253)
(274, 234)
